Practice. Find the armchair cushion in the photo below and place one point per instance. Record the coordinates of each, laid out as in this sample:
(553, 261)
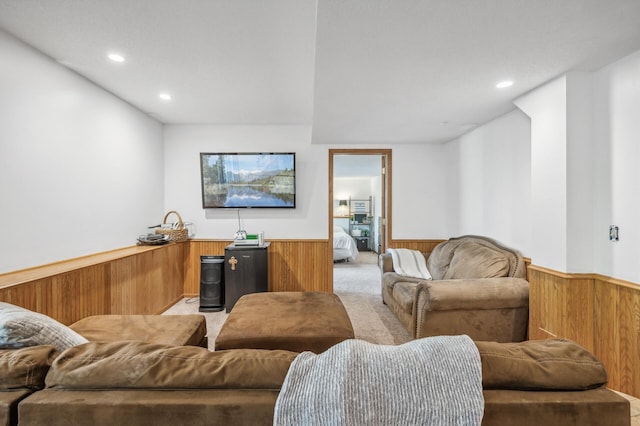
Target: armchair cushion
(473, 260)
(441, 259)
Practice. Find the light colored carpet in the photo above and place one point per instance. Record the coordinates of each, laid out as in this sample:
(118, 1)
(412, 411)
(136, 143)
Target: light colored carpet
(191, 306)
(358, 286)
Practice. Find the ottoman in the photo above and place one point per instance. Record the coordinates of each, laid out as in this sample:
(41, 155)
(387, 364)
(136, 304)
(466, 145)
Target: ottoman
(293, 321)
(176, 330)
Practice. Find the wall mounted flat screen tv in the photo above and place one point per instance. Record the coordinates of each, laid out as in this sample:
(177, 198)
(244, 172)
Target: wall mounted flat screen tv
(248, 180)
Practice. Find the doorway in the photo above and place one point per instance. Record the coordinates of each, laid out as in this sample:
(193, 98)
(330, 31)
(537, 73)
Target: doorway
(364, 213)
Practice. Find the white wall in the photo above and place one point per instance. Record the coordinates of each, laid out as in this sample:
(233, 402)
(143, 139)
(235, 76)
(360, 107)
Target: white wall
(355, 188)
(585, 173)
(547, 108)
(183, 145)
(420, 182)
(417, 183)
(581, 203)
(80, 170)
(491, 182)
(351, 187)
(617, 171)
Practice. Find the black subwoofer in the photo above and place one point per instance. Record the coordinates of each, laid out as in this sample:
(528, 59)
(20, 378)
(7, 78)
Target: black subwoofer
(211, 283)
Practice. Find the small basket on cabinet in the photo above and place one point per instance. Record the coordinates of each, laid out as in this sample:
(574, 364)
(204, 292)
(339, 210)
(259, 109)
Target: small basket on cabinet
(176, 233)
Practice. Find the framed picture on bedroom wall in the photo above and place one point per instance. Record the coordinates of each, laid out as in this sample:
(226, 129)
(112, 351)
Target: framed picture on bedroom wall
(360, 206)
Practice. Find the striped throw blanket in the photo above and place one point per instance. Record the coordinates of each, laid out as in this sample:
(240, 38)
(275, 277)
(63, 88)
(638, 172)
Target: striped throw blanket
(430, 381)
(409, 263)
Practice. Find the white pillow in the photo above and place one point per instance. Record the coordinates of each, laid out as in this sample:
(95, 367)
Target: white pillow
(21, 327)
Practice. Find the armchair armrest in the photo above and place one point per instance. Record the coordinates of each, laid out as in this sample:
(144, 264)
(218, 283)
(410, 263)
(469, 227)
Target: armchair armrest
(490, 309)
(389, 279)
(465, 294)
(385, 262)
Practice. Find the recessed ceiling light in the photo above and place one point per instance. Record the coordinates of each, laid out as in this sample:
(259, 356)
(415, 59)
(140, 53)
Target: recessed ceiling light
(115, 57)
(504, 84)
(164, 96)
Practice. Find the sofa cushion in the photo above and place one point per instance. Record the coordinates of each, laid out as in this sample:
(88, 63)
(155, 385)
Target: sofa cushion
(20, 327)
(551, 364)
(26, 367)
(175, 330)
(135, 364)
(473, 260)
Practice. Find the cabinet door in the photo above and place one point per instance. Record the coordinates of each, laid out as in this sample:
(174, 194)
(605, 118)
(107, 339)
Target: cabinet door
(245, 272)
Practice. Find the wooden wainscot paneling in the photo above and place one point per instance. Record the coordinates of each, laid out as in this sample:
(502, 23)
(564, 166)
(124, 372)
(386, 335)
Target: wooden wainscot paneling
(301, 265)
(132, 280)
(560, 305)
(424, 246)
(617, 325)
(294, 265)
(601, 313)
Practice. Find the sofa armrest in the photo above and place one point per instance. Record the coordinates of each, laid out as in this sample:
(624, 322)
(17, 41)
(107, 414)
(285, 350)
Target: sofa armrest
(465, 294)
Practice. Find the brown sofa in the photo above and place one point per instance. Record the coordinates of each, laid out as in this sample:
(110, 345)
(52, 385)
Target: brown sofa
(553, 382)
(478, 289)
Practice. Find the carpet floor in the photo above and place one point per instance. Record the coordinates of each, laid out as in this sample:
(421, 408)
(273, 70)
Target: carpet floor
(357, 284)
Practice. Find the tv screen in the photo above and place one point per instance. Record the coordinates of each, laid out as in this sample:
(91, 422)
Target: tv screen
(248, 180)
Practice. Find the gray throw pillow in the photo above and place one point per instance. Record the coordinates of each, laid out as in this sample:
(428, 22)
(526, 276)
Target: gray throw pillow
(20, 327)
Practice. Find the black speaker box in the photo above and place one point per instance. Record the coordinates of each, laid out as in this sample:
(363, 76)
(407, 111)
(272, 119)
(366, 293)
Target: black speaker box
(211, 283)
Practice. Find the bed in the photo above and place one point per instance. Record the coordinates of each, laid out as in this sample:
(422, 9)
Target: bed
(344, 247)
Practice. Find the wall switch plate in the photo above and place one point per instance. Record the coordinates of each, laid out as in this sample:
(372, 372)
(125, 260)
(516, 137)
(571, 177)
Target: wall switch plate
(613, 233)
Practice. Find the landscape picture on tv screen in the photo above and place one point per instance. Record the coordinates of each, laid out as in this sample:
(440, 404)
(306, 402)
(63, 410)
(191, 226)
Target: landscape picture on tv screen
(248, 180)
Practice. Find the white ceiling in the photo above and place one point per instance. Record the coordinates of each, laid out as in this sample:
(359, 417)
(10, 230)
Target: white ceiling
(357, 71)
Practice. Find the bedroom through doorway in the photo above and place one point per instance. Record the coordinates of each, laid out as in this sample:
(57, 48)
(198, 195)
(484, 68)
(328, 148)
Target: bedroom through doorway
(359, 202)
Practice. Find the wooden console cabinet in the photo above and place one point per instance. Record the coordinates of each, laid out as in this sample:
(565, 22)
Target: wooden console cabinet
(245, 271)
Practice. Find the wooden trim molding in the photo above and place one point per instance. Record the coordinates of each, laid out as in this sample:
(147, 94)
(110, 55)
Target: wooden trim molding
(424, 246)
(599, 312)
(133, 280)
(42, 271)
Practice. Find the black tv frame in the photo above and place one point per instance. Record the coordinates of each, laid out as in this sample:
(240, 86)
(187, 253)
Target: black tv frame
(264, 186)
